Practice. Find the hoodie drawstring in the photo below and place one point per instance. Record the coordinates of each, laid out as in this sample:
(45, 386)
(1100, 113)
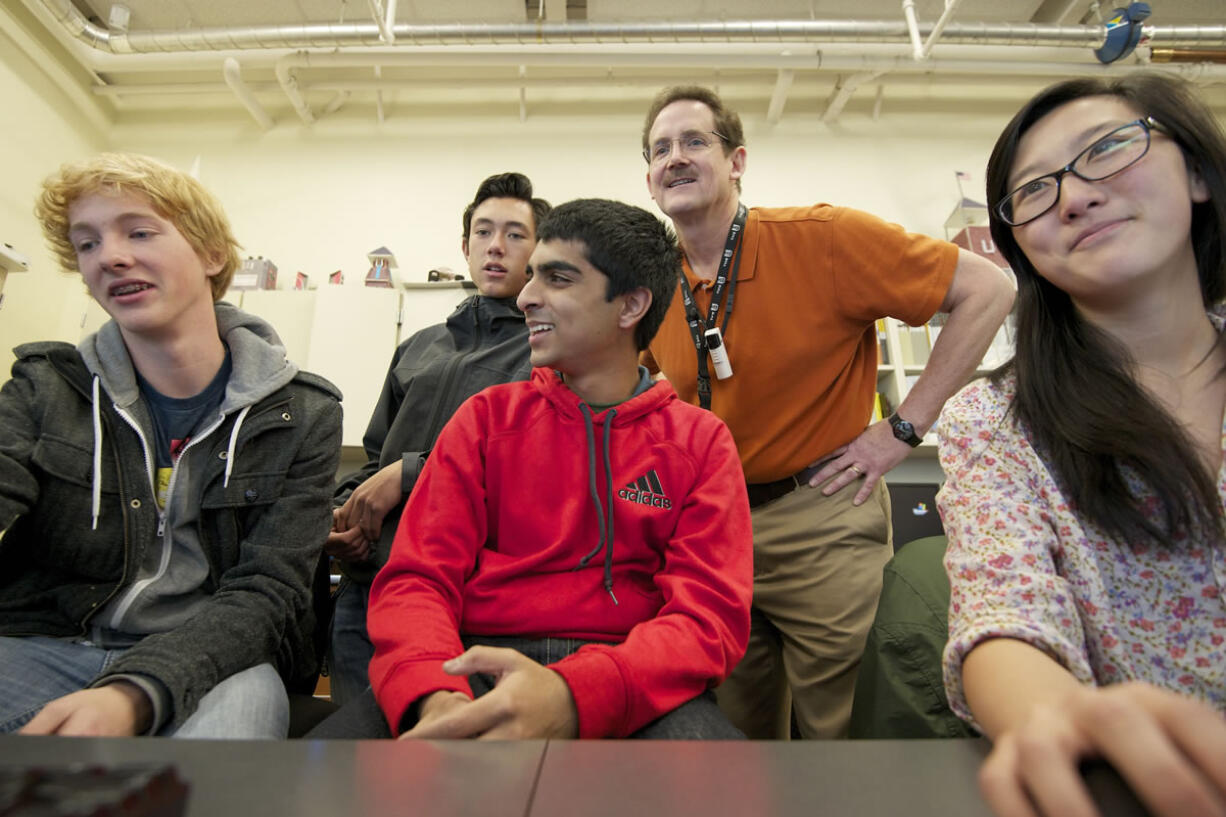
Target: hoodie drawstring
(96, 504)
(238, 423)
(608, 481)
(606, 510)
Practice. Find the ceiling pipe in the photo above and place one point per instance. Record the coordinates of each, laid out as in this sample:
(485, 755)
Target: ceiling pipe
(385, 21)
(379, 115)
(844, 90)
(754, 52)
(908, 13)
(172, 88)
(1165, 55)
(289, 85)
(523, 94)
(870, 65)
(336, 102)
(950, 7)
(75, 23)
(779, 97)
(328, 35)
(765, 56)
(344, 88)
(233, 74)
(980, 61)
(590, 32)
(66, 81)
(391, 21)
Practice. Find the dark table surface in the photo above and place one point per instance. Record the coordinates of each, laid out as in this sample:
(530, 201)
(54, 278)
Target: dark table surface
(810, 778)
(305, 778)
(536, 779)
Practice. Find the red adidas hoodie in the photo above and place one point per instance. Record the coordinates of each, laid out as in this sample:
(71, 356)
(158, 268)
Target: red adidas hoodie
(504, 513)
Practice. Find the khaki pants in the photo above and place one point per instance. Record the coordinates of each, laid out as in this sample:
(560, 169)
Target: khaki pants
(817, 579)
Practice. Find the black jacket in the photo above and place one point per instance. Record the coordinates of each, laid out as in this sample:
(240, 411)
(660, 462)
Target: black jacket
(261, 529)
(483, 343)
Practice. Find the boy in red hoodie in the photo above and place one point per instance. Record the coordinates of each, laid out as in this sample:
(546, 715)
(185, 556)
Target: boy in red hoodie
(576, 558)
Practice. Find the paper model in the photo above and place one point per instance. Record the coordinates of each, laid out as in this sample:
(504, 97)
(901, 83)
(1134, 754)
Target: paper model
(382, 262)
(255, 273)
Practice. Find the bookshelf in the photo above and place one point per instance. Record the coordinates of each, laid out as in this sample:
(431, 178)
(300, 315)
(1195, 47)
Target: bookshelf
(902, 352)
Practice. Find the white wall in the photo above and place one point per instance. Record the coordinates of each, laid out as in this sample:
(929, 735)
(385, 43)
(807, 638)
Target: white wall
(319, 199)
(39, 130)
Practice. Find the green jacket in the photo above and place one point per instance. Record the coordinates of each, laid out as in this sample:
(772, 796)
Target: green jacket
(900, 692)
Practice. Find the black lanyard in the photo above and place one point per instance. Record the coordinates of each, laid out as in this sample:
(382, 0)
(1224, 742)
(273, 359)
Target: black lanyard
(728, 267)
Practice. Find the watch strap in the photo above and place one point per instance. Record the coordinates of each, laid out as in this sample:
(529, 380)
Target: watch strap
(904, 430)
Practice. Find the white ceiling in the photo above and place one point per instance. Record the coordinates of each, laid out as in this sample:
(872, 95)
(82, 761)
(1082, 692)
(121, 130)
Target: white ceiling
(175, 14)
(524, 70)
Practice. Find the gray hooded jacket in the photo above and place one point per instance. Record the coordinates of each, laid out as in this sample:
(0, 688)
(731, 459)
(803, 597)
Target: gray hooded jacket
(217, 582)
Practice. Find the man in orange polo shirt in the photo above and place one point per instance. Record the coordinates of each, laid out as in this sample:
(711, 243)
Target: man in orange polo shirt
(774, 330)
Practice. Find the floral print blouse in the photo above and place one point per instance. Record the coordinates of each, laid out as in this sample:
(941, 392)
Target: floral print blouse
(1023, 565)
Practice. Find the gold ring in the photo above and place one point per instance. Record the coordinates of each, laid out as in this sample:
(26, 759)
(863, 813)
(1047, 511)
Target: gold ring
(859, 471)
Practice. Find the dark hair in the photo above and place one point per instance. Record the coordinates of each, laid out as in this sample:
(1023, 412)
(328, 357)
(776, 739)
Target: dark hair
(506, 186)
(1077, 396)
(629, 245)
(727, 123)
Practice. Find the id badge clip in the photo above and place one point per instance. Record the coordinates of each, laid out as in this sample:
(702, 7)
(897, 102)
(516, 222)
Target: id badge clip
(719, 353)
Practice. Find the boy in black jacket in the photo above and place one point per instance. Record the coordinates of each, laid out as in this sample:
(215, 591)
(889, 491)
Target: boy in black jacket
(482, 343)
(163, 485)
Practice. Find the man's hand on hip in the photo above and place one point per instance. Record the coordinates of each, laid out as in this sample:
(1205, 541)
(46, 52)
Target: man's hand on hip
(865, 459)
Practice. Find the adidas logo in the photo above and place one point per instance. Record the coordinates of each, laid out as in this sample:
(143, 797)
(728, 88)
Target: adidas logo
(646, 490)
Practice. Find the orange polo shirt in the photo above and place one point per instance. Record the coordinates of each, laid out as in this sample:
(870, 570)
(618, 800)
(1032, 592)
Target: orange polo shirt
(802, 338)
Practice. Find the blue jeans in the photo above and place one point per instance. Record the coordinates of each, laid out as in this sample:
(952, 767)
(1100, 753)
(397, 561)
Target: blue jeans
(36, 670)
(349, 650)
(697, 719)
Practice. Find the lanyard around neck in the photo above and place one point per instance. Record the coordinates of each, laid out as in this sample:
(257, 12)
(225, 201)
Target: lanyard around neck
(729, 264)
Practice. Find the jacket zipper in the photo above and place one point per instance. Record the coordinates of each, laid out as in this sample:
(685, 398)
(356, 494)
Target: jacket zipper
(138, 587)
(144, 444)
(70, 378)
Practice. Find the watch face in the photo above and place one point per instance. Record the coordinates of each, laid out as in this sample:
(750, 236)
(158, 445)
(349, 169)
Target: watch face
(904, 430)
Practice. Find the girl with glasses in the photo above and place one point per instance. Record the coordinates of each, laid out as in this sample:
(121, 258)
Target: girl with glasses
(1085, 483)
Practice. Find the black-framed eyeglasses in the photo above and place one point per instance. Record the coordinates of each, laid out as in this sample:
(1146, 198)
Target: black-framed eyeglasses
(690, 143)
(1119, 149)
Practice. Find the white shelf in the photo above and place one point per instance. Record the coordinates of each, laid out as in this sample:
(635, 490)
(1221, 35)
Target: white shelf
(894, 380)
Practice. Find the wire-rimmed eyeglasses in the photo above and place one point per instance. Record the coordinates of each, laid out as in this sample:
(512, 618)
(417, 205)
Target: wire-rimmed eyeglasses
(1119, 149)
(690, 143)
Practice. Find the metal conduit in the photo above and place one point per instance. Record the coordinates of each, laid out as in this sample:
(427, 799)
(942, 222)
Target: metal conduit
(324, 35)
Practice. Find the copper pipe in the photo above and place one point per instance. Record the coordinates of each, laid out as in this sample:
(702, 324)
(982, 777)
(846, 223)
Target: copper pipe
(1188, 55)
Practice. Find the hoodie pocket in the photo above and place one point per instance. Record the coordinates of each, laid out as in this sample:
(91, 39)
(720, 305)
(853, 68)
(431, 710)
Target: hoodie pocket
(60, 521)
(70, 462)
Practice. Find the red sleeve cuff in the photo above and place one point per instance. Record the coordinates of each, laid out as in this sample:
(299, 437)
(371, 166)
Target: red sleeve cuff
(408, 682)
(600, 694)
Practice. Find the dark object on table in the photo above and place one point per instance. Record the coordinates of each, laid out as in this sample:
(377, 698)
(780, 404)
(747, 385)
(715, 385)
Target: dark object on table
(92, 791)
(1111, 793)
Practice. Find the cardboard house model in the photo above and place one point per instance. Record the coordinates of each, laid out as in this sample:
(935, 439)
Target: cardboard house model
(255, 273)
(382, 262)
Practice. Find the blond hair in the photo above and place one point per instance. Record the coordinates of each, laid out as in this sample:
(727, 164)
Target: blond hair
(175, 196)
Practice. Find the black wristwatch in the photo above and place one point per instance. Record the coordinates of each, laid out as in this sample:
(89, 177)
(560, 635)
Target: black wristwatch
(904, 431)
